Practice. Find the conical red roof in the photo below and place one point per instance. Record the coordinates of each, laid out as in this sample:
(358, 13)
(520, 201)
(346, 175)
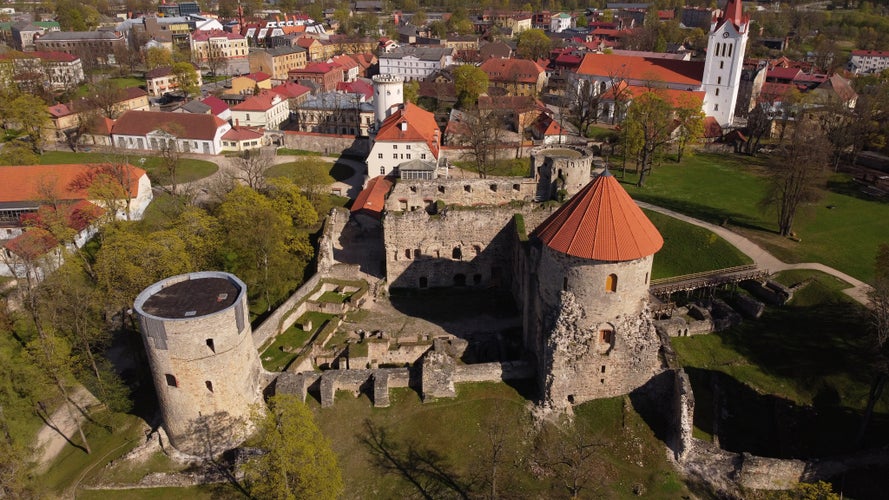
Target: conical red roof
(601, 222)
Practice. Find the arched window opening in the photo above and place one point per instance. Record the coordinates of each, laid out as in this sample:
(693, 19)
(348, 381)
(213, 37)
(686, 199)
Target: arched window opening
(611, 283)
(457, 253)
(407, 253)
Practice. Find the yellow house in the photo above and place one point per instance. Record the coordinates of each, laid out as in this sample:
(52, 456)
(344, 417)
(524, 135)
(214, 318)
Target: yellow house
(246, 84)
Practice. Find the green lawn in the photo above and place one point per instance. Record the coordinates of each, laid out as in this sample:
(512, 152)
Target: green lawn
(458, 432)
(809, 357)
(189, 169)
(519, 167)
(208, 492)
(296, 152)
(274, 358)
(690, 249)
(119, 82)
(726, 189)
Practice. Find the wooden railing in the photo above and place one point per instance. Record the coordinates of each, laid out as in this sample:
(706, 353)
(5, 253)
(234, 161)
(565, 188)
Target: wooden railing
(687, 282)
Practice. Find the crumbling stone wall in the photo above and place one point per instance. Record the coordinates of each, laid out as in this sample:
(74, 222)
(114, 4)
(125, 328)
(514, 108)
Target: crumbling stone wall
(474, 247)
(410, 195)
(554, 171)
(328, 144)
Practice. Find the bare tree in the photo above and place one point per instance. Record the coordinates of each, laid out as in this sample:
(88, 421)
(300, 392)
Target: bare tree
(796, 172)
(251, 167)
(583, 101)
(879, 314)
(105, 96)
(568, 455)
(481, 132)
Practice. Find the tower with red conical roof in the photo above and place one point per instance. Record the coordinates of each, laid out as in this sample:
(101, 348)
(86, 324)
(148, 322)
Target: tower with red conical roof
(725, 58)
(592, 333)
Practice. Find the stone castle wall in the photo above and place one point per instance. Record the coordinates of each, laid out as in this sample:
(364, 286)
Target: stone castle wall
(472, 247)
(410, 195)
(328, 144)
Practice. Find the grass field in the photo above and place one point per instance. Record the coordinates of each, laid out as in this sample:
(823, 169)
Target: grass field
(809, 356)
(274, 358)
(189, 169)
(339, 171)
(519, 167)
(690, 249)
(457, 432)
(119, 82)
(297, 152)
(726, 189)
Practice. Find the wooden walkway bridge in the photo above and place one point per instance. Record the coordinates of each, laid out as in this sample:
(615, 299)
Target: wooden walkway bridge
(663, 288)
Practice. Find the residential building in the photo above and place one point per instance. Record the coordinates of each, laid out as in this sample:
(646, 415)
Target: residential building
(218, 44)
(25, 189)
(560, 22)
(162, 80)
(49, 70)
(67, 117)
(294, 93)
(334, 113)
(24, 34)
(325, 75)
(277, 61)
(314, 48)
(516, 76)
(218, 107)
(415, 63)
(246, 84)
(408, 134)
(267, 110)
(156, 131)
(241, 138)
(868, 61)
(350, 66)
(92, 47)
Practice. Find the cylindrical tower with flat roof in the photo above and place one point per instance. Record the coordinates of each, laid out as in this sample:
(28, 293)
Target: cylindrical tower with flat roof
(205, 367)
(388, 92)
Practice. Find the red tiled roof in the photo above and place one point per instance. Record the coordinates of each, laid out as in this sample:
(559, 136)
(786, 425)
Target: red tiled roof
(32, 243)
(315, 67)
(264, 101)
(238, 133)
(421, 127)
(159, 72)
(512, 70)
(788, 74)
(290, 90)
(712, 128)
(216, 104)
(259, 76)
(643, 68)
(371, 200)
(345, 61)
(601, 222)
(357, 87)
(871, 53)
(182, 125)
(68, 181)
(43, 55)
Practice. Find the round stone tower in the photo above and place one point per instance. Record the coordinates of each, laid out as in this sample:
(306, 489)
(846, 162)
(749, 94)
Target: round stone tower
(205, 367)
(594, 337)
(563, 168)
(388, 92)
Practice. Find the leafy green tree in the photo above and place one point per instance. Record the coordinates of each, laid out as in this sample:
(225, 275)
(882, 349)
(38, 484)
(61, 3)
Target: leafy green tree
(690, 121)
(648, 125)
(158, 57)
(412, 91)
(312, 176)
(201, 234)
(261, 246)
(26, 113)
(289, 199)
(76, 16)
(469, 82)
(186, 78)
(18, 153)
(298, 461)
(533, 44)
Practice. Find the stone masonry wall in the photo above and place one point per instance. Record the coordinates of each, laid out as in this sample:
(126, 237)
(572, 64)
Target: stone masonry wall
(410, 195)
(327, 144)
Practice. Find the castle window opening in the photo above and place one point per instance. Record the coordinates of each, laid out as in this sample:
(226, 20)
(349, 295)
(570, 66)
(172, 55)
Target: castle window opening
(467, 188)
(611, 283)
(646, 278)
(417, 253)
(478, 249)
(565, 283)
(457, 253)
(606, 336)
(515, 187)
(413, 189)
(494, 187)
(603, 368)
(571, 398)
(407, 253)
(209, 385)
(441, 189)
(171, 380)
(211, 345)
(476, 279)
(424, 282)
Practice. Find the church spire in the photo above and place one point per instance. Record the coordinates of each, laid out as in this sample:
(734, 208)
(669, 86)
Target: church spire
(734, 12)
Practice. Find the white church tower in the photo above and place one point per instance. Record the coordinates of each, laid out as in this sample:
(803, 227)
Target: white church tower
(725, 58)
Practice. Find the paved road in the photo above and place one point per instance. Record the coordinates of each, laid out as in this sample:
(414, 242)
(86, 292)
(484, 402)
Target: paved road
(764, 259)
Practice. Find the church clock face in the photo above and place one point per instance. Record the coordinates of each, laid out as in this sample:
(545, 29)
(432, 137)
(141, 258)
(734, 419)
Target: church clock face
(725, 34)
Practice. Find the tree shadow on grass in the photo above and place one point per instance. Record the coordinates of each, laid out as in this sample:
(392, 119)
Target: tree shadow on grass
(713, 215)
(848, 187)
(421, 467)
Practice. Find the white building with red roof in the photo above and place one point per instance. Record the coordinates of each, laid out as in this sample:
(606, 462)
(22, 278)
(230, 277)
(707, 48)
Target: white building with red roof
(222, 44)
(243, 139)
(267, 110)
(868, 61)
(54, 70)
(410, 133)
(24, 215)
(155, 131)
